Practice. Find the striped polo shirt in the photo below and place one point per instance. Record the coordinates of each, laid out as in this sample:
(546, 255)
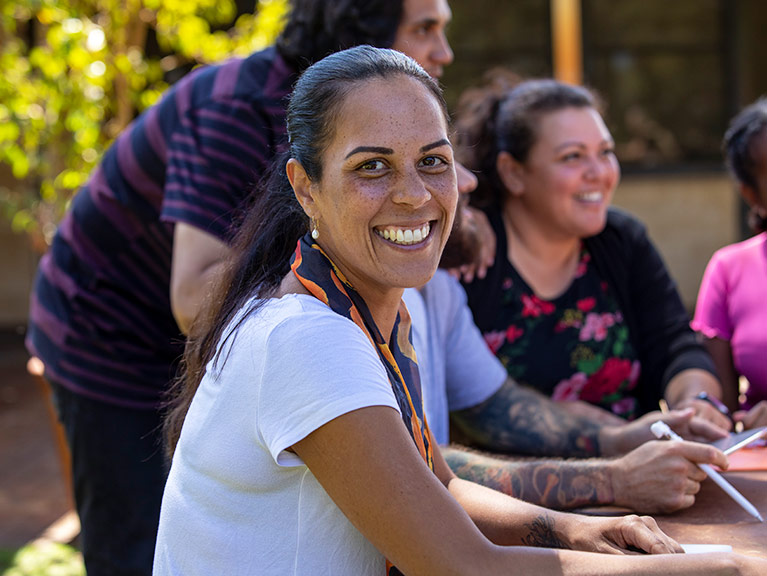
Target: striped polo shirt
(100, 315)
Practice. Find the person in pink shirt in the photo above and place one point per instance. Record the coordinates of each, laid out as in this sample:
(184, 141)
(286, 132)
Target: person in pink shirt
(731, 311)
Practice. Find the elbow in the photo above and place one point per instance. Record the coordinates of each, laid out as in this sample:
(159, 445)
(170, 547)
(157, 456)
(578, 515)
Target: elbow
(183, 307)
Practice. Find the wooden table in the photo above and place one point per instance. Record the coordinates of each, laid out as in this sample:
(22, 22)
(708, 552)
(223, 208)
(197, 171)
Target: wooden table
(716, 519)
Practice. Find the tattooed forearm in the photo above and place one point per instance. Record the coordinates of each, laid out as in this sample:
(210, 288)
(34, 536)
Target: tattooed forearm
(521, 421)
(556, 484)
(542, 534)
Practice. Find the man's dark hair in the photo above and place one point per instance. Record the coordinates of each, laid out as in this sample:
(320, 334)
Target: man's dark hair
(316, 28)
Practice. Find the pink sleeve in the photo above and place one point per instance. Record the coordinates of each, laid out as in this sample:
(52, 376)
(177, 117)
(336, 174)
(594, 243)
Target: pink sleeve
(711, 310)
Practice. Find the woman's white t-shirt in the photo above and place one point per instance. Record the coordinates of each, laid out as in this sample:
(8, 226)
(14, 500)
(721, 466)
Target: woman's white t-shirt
(236, 502)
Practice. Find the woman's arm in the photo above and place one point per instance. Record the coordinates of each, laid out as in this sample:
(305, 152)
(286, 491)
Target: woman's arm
(683, 388)
(721, 353)
(675, 365)
(371, 469)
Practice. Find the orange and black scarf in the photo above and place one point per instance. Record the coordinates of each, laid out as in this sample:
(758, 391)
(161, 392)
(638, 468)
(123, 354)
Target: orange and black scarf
(324, 281)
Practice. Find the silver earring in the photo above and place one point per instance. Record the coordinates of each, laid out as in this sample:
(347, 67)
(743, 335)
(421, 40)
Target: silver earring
(315, 232)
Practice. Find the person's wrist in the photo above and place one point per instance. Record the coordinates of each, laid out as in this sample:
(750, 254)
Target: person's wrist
(611, 441)
(614, 471)
(716, 403)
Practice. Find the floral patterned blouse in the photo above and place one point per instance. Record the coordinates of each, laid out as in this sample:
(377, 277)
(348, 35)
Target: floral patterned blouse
(574, 347)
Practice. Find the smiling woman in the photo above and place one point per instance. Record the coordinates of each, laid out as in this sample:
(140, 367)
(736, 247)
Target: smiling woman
(304, 448)
(579, 304)
(374, 200)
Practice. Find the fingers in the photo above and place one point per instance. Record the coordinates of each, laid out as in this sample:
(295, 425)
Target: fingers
(678, 418)
(692, 487)
(662, 476)
(648, 481)
(755, 417)
(643, 533)
(700, 453)
(705, 431)
(467, 272)
(692, 427)
(706, 411)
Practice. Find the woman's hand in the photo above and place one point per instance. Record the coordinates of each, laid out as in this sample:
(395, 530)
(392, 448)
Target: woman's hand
(753, 418)
(623, 535)
(706, 411)
(683, 389)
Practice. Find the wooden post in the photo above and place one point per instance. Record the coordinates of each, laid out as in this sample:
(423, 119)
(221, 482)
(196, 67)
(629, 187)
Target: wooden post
(566, 35)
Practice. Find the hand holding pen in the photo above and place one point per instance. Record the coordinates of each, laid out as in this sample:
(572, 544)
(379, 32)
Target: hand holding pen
(661, 430)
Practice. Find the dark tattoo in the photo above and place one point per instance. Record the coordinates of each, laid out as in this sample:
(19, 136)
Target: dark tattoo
(542, 534)
(518, 420)
(556, 484)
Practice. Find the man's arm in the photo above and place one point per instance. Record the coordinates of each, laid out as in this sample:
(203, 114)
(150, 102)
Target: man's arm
(198, 259)
(520, 420)
(657, 477)
(556, 484)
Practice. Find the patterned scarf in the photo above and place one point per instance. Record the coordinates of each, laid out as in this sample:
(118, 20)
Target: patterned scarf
(326, 282)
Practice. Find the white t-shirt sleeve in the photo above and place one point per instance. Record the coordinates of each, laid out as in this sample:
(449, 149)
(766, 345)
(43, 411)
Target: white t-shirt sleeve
(318, 366)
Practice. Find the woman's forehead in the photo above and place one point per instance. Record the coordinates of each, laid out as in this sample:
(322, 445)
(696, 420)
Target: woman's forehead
(398, 108)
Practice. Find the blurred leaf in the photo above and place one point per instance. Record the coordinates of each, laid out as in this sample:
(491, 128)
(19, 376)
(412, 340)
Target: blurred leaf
(75, 72)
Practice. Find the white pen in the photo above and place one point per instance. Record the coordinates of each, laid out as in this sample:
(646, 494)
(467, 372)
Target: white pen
(661, 430)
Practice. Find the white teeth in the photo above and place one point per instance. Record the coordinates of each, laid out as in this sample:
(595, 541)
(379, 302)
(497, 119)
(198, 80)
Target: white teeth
(405, 236)
(590, 196)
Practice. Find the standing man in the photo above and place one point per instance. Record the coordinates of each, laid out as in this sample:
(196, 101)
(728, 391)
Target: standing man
(132, 260)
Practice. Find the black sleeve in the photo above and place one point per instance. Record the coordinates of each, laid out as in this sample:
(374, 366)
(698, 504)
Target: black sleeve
(657, 320)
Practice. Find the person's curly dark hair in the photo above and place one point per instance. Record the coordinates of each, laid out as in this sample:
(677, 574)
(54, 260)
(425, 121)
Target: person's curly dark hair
(475, 128)
(316, 28)
(743, 128)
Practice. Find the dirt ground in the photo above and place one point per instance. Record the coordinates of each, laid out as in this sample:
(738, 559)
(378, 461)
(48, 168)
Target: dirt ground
(33, 493)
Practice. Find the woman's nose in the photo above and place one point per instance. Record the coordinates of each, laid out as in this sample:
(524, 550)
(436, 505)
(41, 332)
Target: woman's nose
(467, 181)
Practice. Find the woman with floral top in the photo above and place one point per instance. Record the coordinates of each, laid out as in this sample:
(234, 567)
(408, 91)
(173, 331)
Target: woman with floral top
(579, 304)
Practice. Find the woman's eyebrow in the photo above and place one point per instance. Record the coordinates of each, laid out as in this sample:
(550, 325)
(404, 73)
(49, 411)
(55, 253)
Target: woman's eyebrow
(375, 149)
(581, 145)
(437, 144)
(382, 150)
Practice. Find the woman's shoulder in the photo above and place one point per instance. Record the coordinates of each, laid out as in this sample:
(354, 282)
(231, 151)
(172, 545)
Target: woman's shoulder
(290, 313)
(623, 223)
(622, 233)
(294, 325)
(753, 246)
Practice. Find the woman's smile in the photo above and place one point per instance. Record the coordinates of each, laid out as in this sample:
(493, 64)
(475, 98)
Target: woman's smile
(405, 235)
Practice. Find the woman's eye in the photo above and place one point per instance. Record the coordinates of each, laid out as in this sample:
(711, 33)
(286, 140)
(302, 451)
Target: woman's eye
(433, 162)
(571, 156)
(372, 166)
(608, 152)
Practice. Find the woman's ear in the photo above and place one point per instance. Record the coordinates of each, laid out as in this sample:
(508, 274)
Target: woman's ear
(748, 194)
(753, 200)
(510, 173)
(303, 187)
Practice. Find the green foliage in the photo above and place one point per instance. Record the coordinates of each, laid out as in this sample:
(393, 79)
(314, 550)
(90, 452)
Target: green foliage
(42, 559)
(75, 73)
